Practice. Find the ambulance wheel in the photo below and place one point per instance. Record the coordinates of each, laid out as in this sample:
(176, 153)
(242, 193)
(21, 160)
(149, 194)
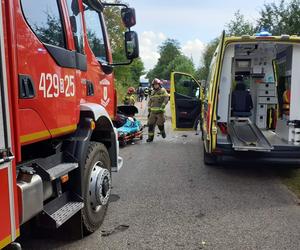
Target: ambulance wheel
(96, 187)
(141, 137)
(208, 158)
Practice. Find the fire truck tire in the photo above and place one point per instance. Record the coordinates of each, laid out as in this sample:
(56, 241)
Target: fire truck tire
(96, 186)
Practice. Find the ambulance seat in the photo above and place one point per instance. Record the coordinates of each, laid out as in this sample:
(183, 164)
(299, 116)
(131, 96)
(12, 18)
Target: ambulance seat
(241, 101)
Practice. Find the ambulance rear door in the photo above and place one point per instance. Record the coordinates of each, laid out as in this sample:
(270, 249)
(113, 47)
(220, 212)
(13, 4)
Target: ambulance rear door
(210, 99)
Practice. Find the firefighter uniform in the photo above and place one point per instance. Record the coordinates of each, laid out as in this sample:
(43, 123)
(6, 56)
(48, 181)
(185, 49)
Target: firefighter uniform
(158, 100)
(129, 99)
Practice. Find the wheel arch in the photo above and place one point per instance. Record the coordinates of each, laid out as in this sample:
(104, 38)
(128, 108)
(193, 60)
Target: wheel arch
(104, 131)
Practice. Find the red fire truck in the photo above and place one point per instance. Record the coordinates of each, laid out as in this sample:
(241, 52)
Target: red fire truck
(58, 146)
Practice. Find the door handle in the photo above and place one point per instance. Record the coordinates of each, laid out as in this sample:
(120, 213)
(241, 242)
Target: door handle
(6, 156)
(26, 87)
(90, 88)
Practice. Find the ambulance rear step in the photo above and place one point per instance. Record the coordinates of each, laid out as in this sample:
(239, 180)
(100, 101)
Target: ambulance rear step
(246, 136)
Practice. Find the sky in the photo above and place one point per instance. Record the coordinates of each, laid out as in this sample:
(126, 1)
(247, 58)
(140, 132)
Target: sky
(192, 22)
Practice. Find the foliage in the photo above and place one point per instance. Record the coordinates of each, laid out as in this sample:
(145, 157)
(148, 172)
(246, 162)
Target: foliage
(125, 75)
(171, 59)
(202, 72)
(51, 32)
(136, 70)
(282, 18)
(239, 26)
(115, 27)
(181, 63)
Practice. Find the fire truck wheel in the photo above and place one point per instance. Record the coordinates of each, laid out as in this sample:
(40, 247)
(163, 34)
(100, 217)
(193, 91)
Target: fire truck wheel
(97, 186)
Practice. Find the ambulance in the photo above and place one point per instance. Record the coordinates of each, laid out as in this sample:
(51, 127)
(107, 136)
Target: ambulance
(250, 107)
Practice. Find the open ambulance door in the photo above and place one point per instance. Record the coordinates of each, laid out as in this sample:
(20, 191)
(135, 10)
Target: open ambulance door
(210, 99)
(185, 101)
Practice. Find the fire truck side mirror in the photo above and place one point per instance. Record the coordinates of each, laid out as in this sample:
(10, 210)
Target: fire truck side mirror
(131, 45)
(128, 17)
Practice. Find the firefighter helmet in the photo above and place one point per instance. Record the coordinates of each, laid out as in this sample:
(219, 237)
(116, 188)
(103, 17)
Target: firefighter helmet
(130, 90)
(156, 80)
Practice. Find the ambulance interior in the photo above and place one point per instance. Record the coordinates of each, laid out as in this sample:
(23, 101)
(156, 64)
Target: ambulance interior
(258, 106)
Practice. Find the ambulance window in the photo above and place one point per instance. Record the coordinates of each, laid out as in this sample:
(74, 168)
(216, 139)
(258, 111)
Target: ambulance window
(210, 75)
(76, 24)
(95, 33)
(44, 18)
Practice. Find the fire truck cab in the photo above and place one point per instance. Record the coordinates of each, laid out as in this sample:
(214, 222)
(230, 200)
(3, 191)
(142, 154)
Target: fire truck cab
(58, 145)
(250, 106)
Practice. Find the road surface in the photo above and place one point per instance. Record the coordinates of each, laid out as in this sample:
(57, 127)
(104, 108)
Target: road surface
(166, 198)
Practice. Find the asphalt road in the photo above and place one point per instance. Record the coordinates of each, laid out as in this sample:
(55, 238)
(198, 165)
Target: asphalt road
(164, 197)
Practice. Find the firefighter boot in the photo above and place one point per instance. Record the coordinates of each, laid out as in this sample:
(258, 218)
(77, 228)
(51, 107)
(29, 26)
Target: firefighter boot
(150, 133)
(162, 131)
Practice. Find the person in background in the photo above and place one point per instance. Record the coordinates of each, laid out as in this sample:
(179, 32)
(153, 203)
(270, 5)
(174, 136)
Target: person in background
(140, 93)
(158, 100)
(129, 99)
(146, 93)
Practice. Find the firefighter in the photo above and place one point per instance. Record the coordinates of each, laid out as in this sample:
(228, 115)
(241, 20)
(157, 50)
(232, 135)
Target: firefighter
(158, 100)
(129, 99)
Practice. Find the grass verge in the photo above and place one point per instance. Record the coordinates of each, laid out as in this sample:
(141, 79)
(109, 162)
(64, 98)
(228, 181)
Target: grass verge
(291, 179)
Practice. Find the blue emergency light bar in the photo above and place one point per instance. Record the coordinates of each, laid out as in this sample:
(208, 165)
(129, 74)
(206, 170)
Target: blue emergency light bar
(263, 33)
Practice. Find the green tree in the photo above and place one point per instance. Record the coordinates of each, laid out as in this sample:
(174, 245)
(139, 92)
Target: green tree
(182, 63)
(202, 72)
(168, 51)
(137, 69)
(239, 26)
(115, 27)
(125, 75)
(281, 18)
(51, 32)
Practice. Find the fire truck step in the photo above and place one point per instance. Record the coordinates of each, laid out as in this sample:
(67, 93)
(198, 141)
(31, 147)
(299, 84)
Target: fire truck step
(60, 170)
(55, 166)
(61, 209)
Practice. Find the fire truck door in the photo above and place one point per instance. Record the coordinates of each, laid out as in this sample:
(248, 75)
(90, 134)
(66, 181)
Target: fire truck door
(8, 228)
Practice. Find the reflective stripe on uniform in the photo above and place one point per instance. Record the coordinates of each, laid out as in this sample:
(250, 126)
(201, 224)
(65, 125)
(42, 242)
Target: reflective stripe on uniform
(157, 96)
(157, 109)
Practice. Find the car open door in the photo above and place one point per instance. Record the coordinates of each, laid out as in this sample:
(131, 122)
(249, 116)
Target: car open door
(185, 101)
